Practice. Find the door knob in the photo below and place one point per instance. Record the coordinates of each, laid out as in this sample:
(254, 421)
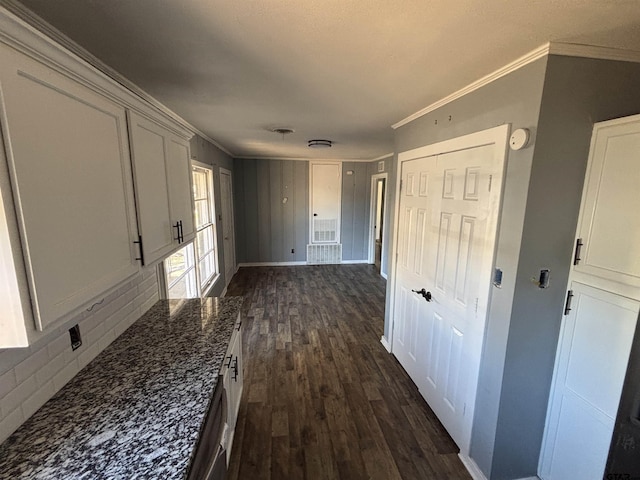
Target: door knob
(427, 295)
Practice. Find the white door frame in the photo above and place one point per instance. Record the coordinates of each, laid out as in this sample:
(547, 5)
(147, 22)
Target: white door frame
(232, 227)
(496, 135)
(372, 217)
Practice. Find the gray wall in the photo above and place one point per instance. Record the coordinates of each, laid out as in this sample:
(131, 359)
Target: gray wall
(266, 228)
(577, 93)
(513, 99)
(205, 152)
(356, 198)
(559, 99)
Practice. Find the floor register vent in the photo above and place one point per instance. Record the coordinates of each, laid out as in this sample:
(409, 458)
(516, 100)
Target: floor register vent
(324, 254)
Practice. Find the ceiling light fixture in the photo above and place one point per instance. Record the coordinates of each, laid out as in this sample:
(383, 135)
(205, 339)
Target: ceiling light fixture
(282, 131)
(320, 143)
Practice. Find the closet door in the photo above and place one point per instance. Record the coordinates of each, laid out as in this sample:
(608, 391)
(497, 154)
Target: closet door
(68, 159)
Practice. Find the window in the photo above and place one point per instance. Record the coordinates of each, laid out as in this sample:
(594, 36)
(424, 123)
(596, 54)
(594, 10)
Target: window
(192, 270)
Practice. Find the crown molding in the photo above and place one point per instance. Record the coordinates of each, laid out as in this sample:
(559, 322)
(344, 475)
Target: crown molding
(304, 159)
(592, 51)
(493, 76)
(382, 157)
(552, 48)
(24, 22)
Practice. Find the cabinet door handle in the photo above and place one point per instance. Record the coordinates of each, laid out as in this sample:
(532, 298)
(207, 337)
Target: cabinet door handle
(177, 227)
(229, 359)
(235, 370)
(181, 232)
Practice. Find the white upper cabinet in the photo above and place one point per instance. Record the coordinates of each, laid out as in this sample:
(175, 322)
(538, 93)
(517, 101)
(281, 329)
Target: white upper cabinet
(608, 246)
(162, 175)
(68, 160)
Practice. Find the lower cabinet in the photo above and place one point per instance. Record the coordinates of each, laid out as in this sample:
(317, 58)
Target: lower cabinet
(232, 376)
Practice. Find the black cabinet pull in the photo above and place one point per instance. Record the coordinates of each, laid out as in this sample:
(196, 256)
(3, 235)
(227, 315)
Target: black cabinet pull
(181, 232)
(141, 257)
(229, 359)
(177, 227)
(235, 370)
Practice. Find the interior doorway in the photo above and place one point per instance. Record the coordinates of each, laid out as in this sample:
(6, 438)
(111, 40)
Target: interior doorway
(377, 238)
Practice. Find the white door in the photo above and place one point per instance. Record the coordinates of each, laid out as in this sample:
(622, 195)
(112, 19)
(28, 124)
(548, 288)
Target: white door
(326, 189)
(412, 271)
(596, 335)
(449, 205)
(226, 196)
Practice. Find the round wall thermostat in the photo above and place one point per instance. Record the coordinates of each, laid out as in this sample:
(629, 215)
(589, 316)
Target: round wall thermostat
(519, 139)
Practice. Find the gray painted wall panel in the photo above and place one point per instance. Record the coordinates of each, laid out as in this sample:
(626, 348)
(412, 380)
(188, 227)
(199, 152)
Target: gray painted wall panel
(263, 211)
(300, 209)
(272, 228)
(276, 217)
(355, 211)
(288, 228)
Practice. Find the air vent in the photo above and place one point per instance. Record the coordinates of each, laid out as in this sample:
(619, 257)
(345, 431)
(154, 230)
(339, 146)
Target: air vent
(325, 230)
(324, 254)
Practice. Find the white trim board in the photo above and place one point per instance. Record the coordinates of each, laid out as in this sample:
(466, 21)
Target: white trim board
(385, 343)
(271, 264)
(472, 467)
(354, 262)
(564, 49)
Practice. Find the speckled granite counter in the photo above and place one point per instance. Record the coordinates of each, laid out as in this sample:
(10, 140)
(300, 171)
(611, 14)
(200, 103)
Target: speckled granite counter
(135, 411)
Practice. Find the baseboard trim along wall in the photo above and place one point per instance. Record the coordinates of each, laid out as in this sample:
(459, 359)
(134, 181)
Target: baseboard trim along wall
(271, 264)
(471, 467)
(385, 344)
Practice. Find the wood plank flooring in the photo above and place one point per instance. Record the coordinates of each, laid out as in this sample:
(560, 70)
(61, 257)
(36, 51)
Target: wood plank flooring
(322, 398)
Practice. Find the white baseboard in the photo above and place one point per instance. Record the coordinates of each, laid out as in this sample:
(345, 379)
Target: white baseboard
(383, 274)
(477, 474)
(471, 467)
(224, 292)
(351, 262)
(271, 264)
(385, 344)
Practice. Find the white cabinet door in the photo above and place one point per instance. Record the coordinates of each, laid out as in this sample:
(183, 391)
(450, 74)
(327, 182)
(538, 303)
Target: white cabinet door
(68, 159)
(592, 361)
(180, 189)
(163, 188)
(232, 374)
(609, 224)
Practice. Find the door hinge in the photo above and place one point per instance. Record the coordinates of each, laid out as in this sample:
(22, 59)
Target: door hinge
(567, 305)
(400, 185)
(490, 181)
(576, 256)
(141, 257)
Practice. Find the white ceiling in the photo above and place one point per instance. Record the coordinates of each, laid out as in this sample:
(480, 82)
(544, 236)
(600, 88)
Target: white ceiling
(344, 70)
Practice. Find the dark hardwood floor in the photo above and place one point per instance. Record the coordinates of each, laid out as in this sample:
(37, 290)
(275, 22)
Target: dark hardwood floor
(322, 398)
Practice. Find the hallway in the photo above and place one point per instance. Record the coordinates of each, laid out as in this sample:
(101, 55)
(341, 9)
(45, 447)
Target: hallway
(322, 397)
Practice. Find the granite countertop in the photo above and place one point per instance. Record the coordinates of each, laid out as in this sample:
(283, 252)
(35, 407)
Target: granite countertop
(135, 411)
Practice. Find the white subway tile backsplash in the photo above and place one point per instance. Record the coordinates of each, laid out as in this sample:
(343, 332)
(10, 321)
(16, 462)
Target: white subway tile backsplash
(31, 376)
(37, 399)
(10, 423)
(15, 397)
(61, 378)
(7, 383)
(31, 364)
(46, 373)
